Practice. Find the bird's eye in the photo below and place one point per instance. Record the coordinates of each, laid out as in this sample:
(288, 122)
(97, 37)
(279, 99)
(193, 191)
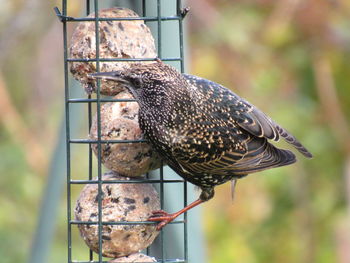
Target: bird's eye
(136, 81)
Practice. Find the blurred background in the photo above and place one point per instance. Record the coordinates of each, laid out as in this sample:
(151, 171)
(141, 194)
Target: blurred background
(288, 57)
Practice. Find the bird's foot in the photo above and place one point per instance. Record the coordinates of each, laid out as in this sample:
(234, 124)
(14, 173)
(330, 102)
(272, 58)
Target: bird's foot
(162, 217)
(165, 218)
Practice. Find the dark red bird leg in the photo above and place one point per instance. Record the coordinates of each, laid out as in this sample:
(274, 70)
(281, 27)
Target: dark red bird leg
(164, 218)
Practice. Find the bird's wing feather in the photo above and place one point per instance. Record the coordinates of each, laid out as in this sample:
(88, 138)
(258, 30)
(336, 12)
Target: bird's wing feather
(260, 156)
(247, 115)
(232, 153)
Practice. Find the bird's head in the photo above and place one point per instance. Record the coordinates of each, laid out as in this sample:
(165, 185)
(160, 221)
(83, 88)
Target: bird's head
(149, 81)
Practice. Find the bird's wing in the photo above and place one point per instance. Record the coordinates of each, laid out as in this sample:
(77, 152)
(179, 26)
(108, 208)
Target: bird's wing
(263, 157)
(232, 153)
(246, 115)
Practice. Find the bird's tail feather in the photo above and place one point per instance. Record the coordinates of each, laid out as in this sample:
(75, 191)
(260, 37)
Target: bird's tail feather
(293, 141)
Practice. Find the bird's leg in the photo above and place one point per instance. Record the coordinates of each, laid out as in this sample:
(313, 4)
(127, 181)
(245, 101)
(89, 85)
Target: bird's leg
(164, 218)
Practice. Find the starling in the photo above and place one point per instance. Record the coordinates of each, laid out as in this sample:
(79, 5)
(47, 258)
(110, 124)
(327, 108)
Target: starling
(205, 132)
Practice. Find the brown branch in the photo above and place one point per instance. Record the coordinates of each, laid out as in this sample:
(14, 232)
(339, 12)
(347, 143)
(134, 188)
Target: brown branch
(280, 17)
(329, 100)
(336, 119)
(20, 133)
(342, 241)
(283, 13)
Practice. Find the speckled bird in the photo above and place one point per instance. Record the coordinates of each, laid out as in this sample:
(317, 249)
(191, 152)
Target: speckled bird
(205, 132)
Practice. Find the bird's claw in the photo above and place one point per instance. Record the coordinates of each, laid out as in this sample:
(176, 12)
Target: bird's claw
(162, 217)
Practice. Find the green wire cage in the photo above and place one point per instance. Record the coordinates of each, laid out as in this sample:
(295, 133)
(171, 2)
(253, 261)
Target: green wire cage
(166, 25)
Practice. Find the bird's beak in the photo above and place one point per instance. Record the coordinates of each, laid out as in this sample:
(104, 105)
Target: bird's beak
(114, 75)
